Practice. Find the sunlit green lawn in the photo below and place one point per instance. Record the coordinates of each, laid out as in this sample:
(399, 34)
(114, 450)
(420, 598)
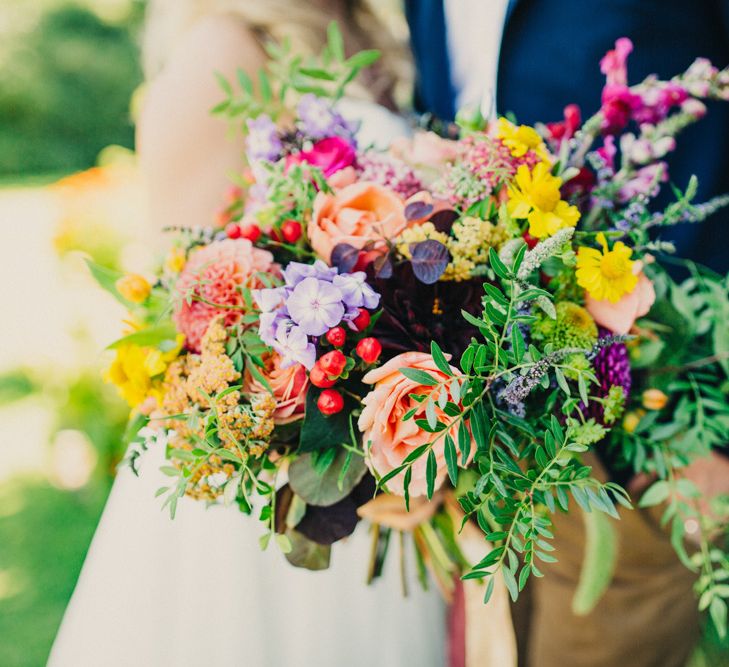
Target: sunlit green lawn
(44, 535)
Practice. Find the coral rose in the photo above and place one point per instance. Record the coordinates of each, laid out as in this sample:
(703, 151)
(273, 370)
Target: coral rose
(356, 214)
(620, 316)
(288, 385)
(387, 438)
(210, 283)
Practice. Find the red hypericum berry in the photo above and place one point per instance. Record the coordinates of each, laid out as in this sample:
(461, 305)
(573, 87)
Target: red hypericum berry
(291, 231)
(333, 363)
(369, 350)
(362, 321)
(330, 402)
(530, 240)
(319, 378)
(232, 231)
(336, 336)
(250, 231)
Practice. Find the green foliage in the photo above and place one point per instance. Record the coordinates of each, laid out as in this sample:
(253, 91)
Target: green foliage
(525, 469)
(289, 75)
(65, 90)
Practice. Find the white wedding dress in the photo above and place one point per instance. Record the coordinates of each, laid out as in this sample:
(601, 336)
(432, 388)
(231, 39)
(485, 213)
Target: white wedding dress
(197, 590)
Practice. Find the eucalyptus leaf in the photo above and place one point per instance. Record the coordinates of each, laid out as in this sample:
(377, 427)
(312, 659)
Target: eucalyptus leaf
(325, 489)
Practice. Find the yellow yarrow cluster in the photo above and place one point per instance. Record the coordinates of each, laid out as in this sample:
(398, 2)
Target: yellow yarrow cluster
(137, 371)
(192, 377)
(468, 244)
(534, 195)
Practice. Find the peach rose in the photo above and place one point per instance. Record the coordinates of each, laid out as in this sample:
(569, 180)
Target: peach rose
(355, 214)
(620, 316)
(391, 439)
(289, 387)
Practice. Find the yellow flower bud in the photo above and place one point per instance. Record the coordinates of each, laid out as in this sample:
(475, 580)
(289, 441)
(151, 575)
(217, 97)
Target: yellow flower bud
(654, 399)
(133, 287)
(631, 420)
(175, 261)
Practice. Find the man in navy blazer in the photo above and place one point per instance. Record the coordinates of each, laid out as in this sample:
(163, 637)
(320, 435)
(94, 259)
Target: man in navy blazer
(549, 58)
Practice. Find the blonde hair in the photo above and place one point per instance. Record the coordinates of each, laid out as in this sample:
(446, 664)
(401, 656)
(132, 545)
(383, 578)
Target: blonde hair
(379, 24)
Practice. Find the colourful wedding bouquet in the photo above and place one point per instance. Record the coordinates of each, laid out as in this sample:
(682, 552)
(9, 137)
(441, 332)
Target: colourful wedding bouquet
(471, 314)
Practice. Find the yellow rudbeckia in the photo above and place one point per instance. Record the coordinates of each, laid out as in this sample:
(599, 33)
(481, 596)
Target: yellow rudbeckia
(535, 195)
(607, 274)
(520, 139)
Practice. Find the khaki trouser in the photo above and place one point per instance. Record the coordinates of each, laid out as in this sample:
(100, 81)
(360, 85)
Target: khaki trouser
(647, 618)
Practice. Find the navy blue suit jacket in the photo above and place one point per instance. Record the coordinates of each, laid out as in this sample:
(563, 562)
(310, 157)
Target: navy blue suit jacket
(550, 57)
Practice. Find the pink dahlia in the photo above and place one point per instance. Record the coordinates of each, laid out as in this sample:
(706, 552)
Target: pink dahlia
(210, 283)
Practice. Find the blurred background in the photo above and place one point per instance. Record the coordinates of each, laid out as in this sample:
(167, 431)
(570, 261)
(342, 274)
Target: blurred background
(69, 73)
(69, 80)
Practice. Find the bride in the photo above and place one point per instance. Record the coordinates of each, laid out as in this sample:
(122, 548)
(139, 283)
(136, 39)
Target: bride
(197, 590)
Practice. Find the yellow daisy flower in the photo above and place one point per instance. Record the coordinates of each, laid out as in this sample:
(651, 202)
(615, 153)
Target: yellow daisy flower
(535, 195)
(520, 139)
(607, 274)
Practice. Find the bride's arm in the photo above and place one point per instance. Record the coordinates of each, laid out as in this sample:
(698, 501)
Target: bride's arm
(185, 153)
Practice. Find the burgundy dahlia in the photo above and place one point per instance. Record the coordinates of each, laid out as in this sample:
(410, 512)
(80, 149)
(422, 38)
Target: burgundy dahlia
(415, 313)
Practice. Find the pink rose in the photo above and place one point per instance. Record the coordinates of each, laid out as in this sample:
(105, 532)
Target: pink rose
(330, 155)
(357, 214)
(210, 284)
(620, 316)
(391, 439)
(289, 387)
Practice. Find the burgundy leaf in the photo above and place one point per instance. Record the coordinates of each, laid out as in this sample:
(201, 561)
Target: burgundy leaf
(418, 210)
(429, 259)
(383, 267)
(443, 220)
(344, 257)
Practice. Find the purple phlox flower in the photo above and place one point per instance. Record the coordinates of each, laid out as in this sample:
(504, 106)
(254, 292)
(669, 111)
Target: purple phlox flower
(356, 293)
(270, 298)
(294, 347)
(269, 325)
(263, 141)
(319, 119)
(295, 272)
(316, 306)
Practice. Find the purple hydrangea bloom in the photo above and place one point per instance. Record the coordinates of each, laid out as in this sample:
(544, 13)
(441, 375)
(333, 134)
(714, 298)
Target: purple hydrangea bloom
(263, 141)
(315, 305)
(356, 293)
(319, 119)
